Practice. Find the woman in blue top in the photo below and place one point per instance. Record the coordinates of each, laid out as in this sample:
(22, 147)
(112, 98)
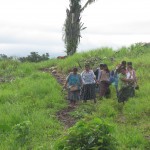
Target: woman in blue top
(73, 84)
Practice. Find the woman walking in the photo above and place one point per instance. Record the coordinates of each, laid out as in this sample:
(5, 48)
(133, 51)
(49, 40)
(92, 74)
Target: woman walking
(88, 80)
(104, 81)
(124, 86)
(131, 75)
(73, 84)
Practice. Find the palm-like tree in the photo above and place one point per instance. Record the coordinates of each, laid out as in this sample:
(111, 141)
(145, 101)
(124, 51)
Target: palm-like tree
(73, 25)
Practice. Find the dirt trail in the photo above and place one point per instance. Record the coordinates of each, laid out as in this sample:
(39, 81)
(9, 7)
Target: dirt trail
(63, 115)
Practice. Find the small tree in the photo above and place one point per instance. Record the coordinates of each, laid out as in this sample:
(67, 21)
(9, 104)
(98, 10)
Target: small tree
(73, 25)
(35, 57)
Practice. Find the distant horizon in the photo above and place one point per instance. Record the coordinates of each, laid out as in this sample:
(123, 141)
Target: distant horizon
(54, 55)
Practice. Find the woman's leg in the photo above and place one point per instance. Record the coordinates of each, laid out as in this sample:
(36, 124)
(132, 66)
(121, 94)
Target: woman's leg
(102, 89)
(85, 93)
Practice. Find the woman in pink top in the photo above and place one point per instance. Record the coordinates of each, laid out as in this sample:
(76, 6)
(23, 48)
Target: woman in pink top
(131, 75)
(131, 72)
(104, 81)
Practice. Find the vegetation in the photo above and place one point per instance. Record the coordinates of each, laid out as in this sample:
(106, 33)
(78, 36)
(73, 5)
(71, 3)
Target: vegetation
(3, 56)
(35, 57)
(28, 105)
(73, 25)
(87, 135)
(30, 100)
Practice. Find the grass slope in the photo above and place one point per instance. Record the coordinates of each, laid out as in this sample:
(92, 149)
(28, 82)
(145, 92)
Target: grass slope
(32, 97)
(29, 102)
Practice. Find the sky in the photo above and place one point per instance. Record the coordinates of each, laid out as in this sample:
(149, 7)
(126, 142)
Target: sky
(36, 25)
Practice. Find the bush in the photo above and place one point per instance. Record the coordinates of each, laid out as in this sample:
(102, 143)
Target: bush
(22, 131)
(87, 135)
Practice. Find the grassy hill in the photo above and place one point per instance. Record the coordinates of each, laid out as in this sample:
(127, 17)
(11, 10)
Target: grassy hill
(30, 99)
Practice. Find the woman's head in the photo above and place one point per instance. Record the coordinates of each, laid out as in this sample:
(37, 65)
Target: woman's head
(101, 66)
(129, 63)
(105, 67)
(129, 68)
(75, 70)
(123, 70)
(87, 67)
(123, 63)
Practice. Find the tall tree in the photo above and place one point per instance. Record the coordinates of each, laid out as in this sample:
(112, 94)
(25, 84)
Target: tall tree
(73, 25)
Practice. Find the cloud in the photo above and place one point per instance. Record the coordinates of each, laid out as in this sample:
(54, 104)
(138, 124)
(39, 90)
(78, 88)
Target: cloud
(36, 25)
(24, 50)
(30, 36)
(134, 28)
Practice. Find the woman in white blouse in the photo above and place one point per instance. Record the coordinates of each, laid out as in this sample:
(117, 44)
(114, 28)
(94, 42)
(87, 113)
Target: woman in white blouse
(88, 81)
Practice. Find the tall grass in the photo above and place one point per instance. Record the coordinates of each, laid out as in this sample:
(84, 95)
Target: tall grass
(35, 98)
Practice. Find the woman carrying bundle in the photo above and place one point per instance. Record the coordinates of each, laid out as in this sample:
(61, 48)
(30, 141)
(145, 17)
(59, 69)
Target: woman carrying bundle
(125, 89)
(73, 84)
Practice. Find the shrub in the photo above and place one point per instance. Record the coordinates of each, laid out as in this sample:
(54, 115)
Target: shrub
(87, 135)
(22, 131)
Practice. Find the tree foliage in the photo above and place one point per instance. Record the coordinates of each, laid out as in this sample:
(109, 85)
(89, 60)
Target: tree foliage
(73, 25)
(3, 56)
(35, 57)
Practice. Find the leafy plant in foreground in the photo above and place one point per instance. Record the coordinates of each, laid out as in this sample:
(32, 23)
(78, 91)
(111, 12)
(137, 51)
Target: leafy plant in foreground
(87, 135)
(22, 131)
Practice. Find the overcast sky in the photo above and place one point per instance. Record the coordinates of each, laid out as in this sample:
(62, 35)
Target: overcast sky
(36, 25)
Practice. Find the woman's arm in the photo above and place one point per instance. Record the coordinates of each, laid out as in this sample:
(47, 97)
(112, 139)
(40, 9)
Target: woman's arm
(67, 79)
(126, 80)
(94, 77)
(80, 80)
(82, 74)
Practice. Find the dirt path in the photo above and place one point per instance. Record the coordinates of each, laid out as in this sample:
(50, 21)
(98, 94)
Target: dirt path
(63, 115)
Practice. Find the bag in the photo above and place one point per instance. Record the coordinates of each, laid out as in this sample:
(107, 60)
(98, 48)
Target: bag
(74, 88)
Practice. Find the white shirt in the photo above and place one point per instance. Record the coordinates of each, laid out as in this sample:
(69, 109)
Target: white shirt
(129, 75)
(88, 77)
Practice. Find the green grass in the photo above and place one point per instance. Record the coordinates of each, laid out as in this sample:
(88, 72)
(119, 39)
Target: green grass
(35, 98)
(29, 95)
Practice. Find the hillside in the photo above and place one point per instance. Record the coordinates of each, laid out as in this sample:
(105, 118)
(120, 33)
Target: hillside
(30, 99)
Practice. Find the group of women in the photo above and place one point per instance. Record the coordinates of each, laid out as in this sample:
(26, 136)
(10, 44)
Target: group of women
(83, 86)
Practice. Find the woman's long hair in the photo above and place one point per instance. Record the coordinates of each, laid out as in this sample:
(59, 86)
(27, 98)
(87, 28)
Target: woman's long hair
(106, 68)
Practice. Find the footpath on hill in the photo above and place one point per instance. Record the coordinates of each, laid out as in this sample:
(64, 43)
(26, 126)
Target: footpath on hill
(64, 114)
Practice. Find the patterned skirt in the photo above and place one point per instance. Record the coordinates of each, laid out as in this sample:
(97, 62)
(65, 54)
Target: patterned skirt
(125, 93)
(88, 92)
(104, 88)
(74, 95)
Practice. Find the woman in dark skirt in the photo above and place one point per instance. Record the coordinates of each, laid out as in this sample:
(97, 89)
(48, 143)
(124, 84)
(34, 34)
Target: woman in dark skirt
(73, 84)
(124, 86)
(88, 80)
